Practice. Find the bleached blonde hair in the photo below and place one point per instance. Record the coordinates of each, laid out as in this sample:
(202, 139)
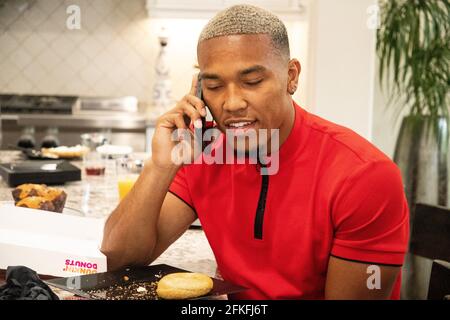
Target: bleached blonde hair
(247, 19)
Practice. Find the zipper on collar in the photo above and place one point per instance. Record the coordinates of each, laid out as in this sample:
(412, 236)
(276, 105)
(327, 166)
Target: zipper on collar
(260, 209)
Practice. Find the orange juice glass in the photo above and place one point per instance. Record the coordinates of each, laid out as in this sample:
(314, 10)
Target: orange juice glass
(125, 184)
(128, 170)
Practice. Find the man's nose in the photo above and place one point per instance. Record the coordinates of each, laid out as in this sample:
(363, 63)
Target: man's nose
(234, 101)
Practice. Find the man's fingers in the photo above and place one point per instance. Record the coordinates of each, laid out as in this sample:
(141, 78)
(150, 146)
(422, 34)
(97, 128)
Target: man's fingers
(197, 103)
(181, 117)
(179, 121)
(172, 121)
(189, 110)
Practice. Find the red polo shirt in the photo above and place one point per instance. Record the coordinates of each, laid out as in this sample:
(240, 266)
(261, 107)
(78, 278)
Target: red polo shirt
(335, 194)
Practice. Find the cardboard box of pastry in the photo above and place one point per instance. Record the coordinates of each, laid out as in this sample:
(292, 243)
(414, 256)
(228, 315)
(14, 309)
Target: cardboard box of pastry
(51, 243)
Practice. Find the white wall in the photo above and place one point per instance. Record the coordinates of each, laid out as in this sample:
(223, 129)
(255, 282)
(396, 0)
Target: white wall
(386, 118)
(342, 56)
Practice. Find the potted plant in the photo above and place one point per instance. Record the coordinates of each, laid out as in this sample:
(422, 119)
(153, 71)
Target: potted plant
(414, 66)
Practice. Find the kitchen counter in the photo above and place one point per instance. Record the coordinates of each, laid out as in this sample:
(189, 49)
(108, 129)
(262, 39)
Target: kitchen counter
(97, 197)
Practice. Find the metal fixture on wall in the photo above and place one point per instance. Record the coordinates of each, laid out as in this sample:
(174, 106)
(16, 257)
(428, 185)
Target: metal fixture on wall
(162, 88)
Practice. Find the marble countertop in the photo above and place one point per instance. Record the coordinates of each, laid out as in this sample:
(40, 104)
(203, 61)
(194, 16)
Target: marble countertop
(97, 196)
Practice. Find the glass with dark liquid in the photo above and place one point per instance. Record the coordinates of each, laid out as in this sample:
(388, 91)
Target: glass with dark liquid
(95, 171)
(94, 164)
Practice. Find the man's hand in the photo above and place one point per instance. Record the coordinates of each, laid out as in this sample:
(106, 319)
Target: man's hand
(188, 110)
(149, 218)
(347, 280)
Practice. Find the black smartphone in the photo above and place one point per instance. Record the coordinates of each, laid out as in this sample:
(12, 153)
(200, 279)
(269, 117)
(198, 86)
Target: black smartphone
(201, 133)
(199, 95)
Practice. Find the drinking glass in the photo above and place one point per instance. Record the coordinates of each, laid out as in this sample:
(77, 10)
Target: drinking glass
(128, 170)
(94, 164)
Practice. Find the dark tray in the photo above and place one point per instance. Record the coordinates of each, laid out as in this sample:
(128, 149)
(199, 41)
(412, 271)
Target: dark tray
(48, 172)
(81, 285)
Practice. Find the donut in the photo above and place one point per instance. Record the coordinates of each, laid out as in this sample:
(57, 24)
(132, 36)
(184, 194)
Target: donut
(184, 285)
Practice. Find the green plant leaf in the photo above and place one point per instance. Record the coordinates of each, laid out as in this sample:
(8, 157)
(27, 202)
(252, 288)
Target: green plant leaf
(414, 55)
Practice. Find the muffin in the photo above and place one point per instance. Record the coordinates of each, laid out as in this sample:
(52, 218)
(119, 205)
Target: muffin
(28, 190)
(57, 197)
(36, 203)
(41, 195)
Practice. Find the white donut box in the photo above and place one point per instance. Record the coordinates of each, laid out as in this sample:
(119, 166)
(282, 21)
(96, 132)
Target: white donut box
(50, 243)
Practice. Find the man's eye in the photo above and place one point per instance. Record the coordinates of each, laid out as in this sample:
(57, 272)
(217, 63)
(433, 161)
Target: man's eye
(254, 82)
(212, 88)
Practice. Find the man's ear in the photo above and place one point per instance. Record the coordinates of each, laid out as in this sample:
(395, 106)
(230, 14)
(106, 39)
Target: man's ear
(294, 69)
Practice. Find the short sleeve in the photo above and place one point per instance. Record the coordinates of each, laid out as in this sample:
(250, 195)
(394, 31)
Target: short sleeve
(371, 216)
(179, 187)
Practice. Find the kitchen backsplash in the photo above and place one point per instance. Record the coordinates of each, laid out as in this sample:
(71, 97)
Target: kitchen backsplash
(112, 54)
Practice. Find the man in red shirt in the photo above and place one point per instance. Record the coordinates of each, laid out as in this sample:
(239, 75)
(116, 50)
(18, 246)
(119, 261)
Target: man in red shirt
(330, 221)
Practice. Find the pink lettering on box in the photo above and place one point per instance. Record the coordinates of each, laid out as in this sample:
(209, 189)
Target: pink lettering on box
(81, 267)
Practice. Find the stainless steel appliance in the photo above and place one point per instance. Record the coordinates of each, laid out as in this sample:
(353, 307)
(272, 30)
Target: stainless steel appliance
(54, 119)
